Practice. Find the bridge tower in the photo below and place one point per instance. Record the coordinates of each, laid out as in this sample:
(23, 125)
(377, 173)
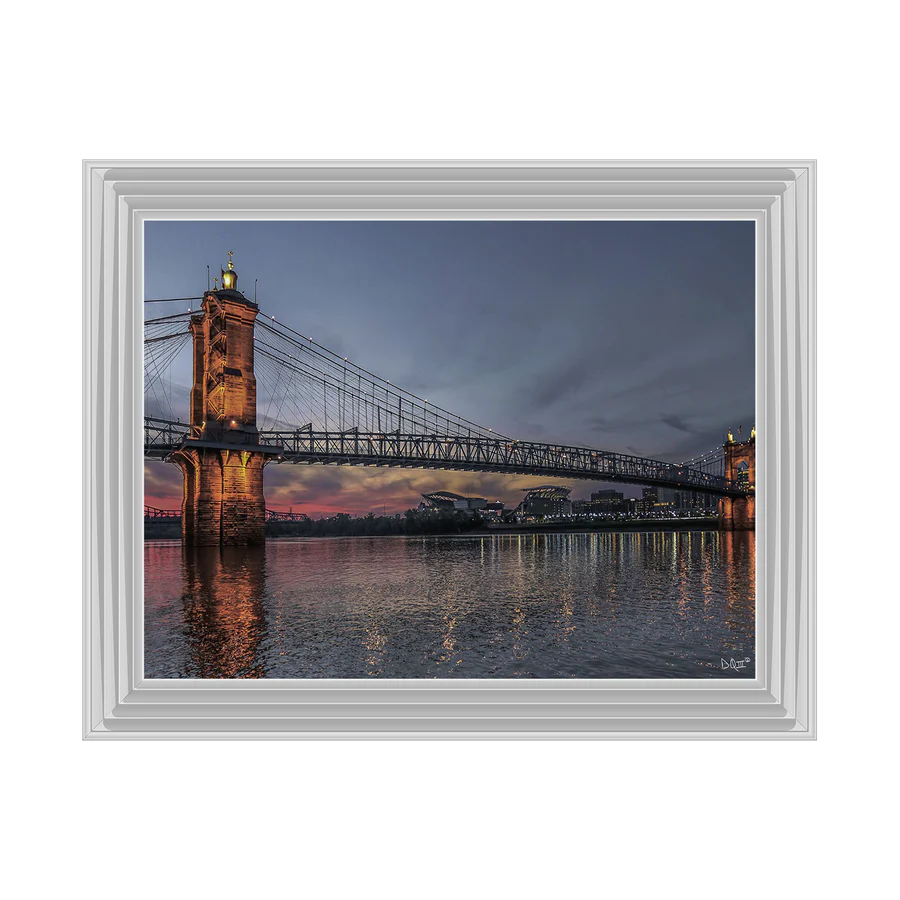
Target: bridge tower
(739, 513)
(222, 459)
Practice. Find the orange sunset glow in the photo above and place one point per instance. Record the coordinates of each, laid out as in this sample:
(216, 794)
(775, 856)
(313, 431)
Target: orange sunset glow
(327, 490)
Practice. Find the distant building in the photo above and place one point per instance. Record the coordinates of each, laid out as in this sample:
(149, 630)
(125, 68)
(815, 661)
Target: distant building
(667, 500)
(648, 501)
(447, 500)
(545, 501)
(607, 495)
(608, 501)
(694, 502)
(653, 502)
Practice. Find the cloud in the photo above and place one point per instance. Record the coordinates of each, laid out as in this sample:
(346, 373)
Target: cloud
(562, 382)
(162, 485)
(678, 423)
(618, 424)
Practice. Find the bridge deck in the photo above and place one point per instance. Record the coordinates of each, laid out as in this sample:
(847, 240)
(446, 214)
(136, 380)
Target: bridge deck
(473, 454)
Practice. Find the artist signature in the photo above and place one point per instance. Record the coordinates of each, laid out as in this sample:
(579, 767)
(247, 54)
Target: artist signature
(734, 663)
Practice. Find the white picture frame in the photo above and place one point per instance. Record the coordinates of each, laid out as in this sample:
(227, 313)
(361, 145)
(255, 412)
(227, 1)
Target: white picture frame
(119, 703)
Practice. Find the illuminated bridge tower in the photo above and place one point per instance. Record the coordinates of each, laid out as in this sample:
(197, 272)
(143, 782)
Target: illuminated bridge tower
(222, 460)
(739, 513)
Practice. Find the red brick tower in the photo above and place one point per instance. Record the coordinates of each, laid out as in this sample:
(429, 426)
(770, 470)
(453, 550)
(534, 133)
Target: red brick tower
(739, 513)
(222, 460)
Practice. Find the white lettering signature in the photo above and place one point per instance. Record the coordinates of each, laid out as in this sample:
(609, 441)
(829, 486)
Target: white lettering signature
(734, 663)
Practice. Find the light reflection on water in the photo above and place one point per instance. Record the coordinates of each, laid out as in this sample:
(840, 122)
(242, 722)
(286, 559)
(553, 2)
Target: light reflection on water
(601, 605)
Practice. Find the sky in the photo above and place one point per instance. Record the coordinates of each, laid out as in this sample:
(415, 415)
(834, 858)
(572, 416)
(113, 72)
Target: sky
(636, 337)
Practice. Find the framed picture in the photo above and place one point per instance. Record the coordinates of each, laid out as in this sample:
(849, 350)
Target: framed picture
(768, 200)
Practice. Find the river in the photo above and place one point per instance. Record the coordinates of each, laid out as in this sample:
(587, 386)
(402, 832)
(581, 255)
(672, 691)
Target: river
(576, 605)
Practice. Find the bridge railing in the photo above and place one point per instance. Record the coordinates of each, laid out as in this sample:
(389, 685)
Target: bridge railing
(274, 515)
(162, 436)
(152, 512)
(485, 454)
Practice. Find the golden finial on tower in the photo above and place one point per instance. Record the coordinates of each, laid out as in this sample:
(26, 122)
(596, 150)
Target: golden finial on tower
(730, 436)
(215, 282)
(229, 276)
(753, 432)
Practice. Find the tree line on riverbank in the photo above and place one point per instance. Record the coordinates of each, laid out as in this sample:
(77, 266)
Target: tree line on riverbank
(427, 522)
(412, 522)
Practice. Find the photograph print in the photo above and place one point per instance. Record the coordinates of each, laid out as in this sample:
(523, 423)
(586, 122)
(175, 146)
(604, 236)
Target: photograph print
(449, 449)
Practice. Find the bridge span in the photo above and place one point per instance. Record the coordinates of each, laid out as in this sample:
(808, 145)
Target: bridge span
(454, 452)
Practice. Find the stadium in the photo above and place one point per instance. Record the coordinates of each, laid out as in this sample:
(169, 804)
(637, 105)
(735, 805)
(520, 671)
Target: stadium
(545, 502)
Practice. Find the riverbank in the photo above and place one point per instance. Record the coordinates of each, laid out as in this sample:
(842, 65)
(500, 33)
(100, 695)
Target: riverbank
(172, 531)
(693, 524)
(162, 531)
(343, 525)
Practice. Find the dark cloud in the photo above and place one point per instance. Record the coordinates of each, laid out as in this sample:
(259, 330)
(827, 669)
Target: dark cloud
(549, 387)
(532, 429)
(617, 425)
(678, 424)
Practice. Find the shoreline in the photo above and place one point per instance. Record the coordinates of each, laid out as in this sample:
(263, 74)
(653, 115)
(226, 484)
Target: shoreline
(562, 527)
(492, 530)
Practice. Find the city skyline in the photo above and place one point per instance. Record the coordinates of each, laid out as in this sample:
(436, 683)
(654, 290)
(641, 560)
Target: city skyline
(629, 336)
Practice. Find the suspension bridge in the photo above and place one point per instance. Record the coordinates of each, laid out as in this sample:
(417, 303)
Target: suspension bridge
(263, 392)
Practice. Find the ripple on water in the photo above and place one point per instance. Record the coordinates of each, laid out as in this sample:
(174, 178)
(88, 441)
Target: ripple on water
(632, 605)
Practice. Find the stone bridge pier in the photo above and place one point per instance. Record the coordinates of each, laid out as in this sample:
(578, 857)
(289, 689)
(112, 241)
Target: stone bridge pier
(739, 513)
(222, 460)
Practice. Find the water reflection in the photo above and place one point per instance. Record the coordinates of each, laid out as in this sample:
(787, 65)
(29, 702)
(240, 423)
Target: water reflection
(519, 632)
(448, 640)
(374, 643)
(620, 605)
(224, 613)
(565, 620)
(739, 552)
